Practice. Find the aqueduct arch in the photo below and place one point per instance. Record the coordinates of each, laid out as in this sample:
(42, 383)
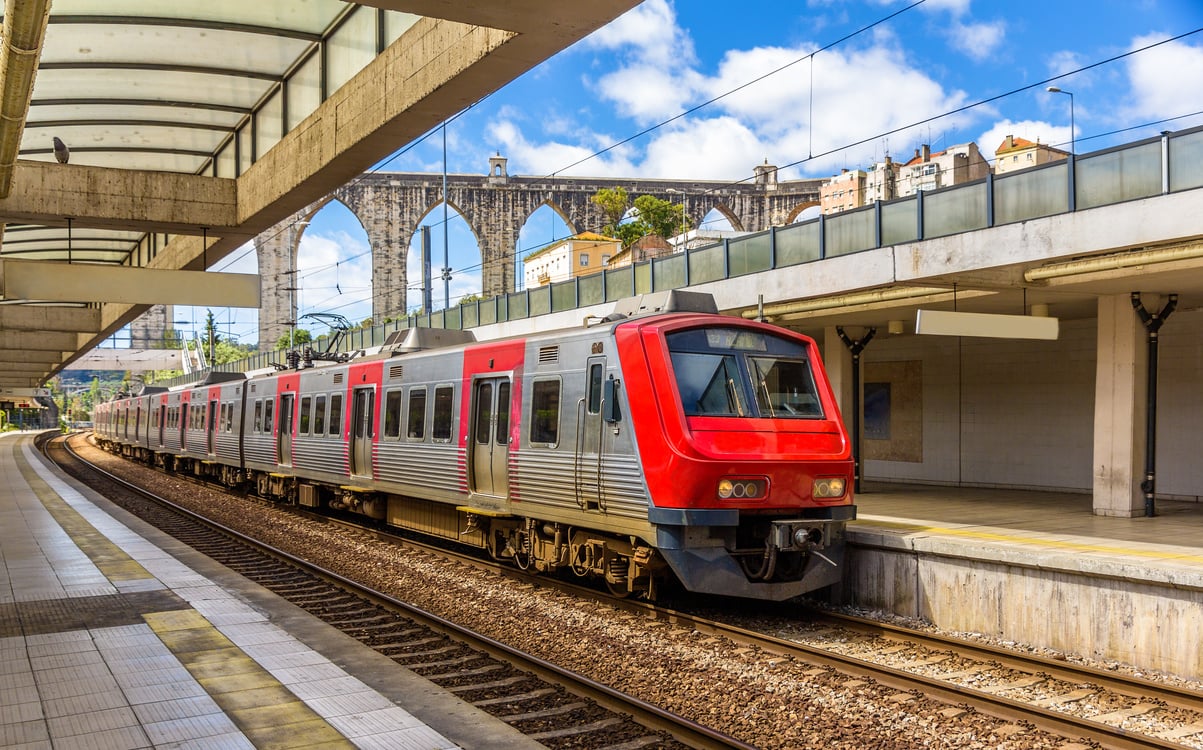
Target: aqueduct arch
(391, 205)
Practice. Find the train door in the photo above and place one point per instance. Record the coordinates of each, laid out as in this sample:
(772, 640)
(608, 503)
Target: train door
(363, 404)
(284, 434)
(162, 423)
(491, 436)
(590, 438)
(211, 433)
(185, 416)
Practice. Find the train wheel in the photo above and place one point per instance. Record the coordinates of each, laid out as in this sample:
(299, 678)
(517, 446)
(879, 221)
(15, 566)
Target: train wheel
(616, 577)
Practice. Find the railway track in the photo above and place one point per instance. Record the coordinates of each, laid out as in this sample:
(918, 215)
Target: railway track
(547, 703)
(1093, 706)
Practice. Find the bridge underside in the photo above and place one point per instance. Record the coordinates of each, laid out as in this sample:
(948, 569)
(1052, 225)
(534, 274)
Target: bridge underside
(222, 153)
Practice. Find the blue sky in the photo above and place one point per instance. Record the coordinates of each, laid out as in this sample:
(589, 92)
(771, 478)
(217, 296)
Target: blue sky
(887, 77)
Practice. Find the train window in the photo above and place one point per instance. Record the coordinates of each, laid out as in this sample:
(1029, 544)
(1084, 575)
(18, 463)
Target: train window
(259, 415)
(269, 424)
(595, 387)
(785, 388)
(545, 412)
(306, 407)
(441, 424)
(392, 414)
(484, 407)
(319, 415)
(230, 417)
(738, 372)
(336, 414)
(502, 435)
(416, 426)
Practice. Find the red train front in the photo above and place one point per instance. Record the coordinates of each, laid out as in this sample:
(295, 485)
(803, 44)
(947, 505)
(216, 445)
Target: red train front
(746, 459)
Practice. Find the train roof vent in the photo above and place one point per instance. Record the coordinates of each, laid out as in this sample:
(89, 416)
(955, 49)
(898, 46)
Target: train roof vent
(396, 371)
(673, 300)
(549, 355)
(421, 339)
(216, 376)
(338, 378)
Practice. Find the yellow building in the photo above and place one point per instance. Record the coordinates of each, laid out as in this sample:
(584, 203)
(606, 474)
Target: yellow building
(579, 255)
(1020, 153)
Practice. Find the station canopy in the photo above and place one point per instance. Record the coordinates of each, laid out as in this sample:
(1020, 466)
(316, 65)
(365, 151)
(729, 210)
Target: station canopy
(188, 128)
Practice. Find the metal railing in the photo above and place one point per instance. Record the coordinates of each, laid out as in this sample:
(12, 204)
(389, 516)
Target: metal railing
(1156, 166)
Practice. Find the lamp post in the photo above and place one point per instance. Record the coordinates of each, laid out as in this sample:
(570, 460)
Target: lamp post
(1073, 148)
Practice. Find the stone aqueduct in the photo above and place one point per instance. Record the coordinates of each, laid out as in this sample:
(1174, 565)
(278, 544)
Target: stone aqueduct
(392, 205)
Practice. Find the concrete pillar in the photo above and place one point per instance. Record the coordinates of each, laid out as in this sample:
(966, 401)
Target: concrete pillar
(1119, 409)
(148, 330)
(837, 360)
(275, 310)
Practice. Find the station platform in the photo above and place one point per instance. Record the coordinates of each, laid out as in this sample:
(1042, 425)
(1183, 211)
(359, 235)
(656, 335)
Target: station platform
(114, 637)
(1037, 568)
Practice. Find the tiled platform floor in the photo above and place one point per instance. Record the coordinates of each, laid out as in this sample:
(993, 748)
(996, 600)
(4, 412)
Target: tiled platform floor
(108, 641)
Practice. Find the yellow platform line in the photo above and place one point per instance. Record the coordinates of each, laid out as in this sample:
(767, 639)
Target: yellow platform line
(110, 559)
(868, 521)
(264, 709)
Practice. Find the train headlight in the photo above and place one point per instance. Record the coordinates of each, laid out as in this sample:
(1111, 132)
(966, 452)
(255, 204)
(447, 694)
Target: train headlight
(828, 488)
(742, 489)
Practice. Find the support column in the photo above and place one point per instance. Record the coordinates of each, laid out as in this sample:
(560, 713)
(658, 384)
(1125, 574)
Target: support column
(275, 310)
(1119, 409)
(837, 360)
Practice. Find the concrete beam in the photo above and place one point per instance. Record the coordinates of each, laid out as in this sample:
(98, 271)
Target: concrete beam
(46, 357)
(42, 318)
(32, 368)
(32, 341)
(67, 282)
(129, 359)
(47, 193)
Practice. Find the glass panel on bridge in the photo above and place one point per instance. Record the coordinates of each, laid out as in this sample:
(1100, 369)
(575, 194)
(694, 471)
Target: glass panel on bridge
(563, 296)
(591, 289)
(1121, 175)
(962, 209)
(668, 273)
(850, 232)
(643, 277)
(1031, 193)
(706, 264)
(1186, 154)
(798, 243)
(620, 282)
(899, 222)
(750, 254)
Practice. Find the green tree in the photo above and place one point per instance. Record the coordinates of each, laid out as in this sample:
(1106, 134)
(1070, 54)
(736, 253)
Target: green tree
(298, 337)
(614, 203)
(660, 216)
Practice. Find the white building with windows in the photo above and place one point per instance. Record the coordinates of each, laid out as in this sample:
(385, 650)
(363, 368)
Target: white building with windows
(579, 255)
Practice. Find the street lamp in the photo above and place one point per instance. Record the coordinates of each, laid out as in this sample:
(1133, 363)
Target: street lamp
(1073, 148)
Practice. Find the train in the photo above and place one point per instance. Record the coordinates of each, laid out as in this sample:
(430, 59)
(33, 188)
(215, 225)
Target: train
(661, 445)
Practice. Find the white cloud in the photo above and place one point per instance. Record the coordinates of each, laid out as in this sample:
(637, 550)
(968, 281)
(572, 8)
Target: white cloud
(648, 32)
(979, 41)
(1032, 130)
(561, 158)
(1165, 81)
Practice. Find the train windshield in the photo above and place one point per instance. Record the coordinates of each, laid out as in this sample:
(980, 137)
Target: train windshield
(733, 372)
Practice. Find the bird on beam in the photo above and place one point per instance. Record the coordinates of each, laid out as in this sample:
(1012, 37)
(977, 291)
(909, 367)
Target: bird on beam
(61, 152)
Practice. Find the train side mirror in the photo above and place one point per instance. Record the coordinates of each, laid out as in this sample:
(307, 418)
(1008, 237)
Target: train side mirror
(610, 410)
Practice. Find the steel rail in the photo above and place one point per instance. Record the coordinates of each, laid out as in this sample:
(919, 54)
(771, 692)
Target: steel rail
(647, 714)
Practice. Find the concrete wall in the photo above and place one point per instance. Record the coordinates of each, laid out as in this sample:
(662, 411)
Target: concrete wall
(1020, 416)
(1090, 604)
